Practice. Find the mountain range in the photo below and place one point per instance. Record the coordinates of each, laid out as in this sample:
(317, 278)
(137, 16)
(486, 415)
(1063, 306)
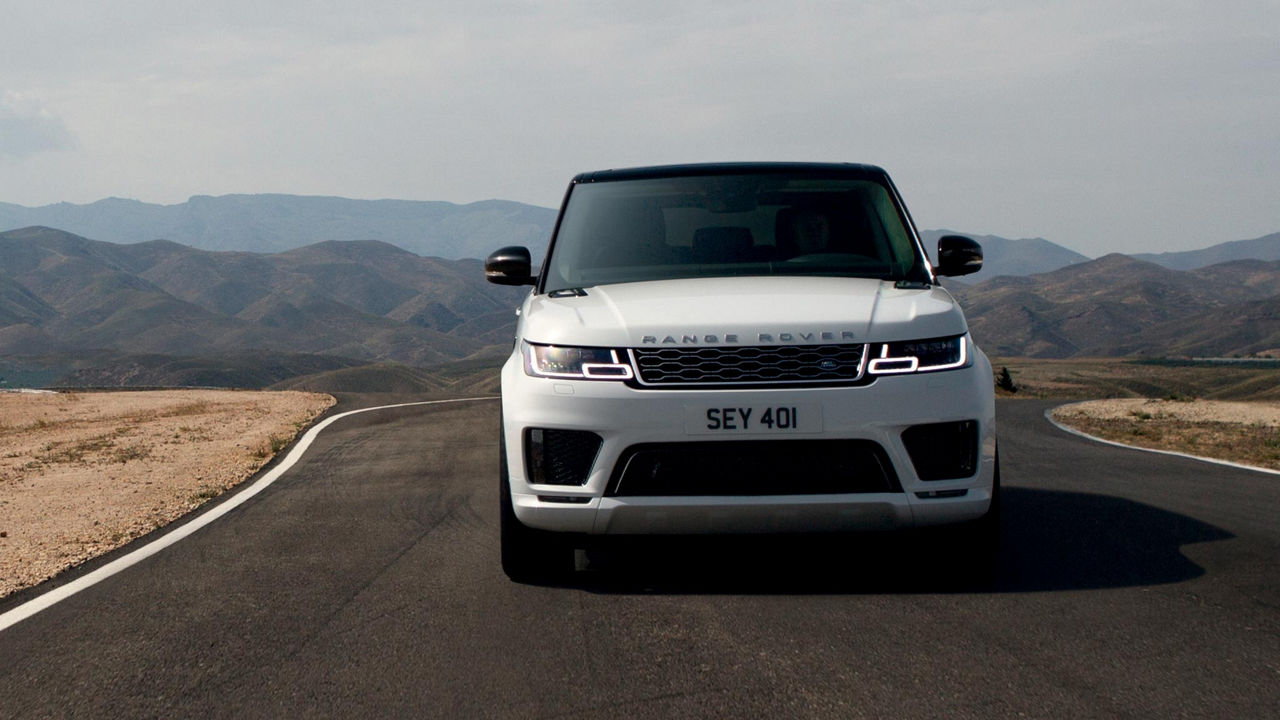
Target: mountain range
(353, 302)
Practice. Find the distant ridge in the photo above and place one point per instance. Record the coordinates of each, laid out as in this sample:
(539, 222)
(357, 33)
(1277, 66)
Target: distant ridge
(275, 223)
(272, 223)
(1266, 247)
(1002, 256)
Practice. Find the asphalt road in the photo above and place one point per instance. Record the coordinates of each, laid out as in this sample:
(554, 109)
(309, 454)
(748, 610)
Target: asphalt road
(365, 582)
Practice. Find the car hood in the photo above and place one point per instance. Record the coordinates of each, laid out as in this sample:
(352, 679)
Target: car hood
(741, 311)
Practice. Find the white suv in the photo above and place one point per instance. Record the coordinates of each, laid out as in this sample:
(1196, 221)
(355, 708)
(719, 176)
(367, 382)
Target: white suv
(739, 348)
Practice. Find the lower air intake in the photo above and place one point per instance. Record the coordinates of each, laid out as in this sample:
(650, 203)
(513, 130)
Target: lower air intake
(779, 467)
(559, 457)
(943, 451)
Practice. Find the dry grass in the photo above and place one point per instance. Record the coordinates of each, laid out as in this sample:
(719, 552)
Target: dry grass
(1247, 444)
(270, 446)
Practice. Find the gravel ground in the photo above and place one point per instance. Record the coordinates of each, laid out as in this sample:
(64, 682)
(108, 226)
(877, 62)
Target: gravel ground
(84, 473)
(1248, 413)
(1240, 432)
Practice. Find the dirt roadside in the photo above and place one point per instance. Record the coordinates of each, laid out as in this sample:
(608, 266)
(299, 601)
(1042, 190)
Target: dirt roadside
(1241, 432)
(84, 473)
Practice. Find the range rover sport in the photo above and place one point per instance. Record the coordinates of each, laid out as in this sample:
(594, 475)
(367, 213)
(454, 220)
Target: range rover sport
(739, 348)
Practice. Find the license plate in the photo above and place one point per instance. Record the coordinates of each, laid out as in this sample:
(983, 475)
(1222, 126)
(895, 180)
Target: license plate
(752, 419)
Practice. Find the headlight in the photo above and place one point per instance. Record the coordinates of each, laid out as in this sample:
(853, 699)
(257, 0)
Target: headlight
(919, 356)
(554, 361)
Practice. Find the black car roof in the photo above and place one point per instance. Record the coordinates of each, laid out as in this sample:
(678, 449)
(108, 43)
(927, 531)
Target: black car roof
(733, 168)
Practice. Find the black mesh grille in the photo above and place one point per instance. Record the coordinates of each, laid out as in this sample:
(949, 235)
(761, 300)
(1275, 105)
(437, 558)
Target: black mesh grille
(749, 365)
(943, 451)
(776, 467)
(560, 457)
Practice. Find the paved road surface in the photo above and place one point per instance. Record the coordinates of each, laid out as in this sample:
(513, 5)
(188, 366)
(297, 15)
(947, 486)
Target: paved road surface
(366, 583)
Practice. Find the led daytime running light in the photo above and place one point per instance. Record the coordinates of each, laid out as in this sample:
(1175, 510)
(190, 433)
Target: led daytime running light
(556, 361)
(902, 358)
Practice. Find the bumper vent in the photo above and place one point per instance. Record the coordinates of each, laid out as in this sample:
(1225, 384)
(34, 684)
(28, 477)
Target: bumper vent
(559, 457)
(749, 365)
(779, 467)
(943, 451)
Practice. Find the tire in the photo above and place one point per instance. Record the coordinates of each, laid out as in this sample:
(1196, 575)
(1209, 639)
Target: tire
(978, 541)
(529, 555)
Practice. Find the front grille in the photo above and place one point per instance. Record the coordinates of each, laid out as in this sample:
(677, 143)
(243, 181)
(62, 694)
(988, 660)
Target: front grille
(774, 467)
(560, 457)
(749, 365)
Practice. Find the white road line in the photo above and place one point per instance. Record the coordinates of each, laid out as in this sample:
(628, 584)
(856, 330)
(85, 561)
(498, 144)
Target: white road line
(1048, 415)
(58, 594)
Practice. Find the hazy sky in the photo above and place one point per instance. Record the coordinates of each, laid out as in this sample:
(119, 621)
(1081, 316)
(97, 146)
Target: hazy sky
(1102, 126)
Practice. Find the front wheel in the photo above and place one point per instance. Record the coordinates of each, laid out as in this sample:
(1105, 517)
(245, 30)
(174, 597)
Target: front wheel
(978, 541)
(528, 555)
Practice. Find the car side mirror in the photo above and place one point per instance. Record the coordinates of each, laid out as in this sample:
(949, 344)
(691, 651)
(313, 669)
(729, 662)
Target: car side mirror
(958, 255)
(510, 266)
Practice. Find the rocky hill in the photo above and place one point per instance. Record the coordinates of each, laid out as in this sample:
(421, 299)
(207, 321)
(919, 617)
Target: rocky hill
(1117, 305)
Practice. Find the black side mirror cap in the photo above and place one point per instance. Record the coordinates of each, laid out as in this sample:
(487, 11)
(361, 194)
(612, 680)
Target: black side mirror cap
(958, 255)
(510, 266)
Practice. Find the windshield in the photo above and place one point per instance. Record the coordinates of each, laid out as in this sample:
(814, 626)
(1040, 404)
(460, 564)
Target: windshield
(723, 225)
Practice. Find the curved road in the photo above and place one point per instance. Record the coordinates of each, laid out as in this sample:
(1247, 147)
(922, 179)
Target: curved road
(365, 582)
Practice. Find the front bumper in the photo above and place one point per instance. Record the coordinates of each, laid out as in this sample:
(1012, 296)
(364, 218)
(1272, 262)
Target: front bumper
(624, 417)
